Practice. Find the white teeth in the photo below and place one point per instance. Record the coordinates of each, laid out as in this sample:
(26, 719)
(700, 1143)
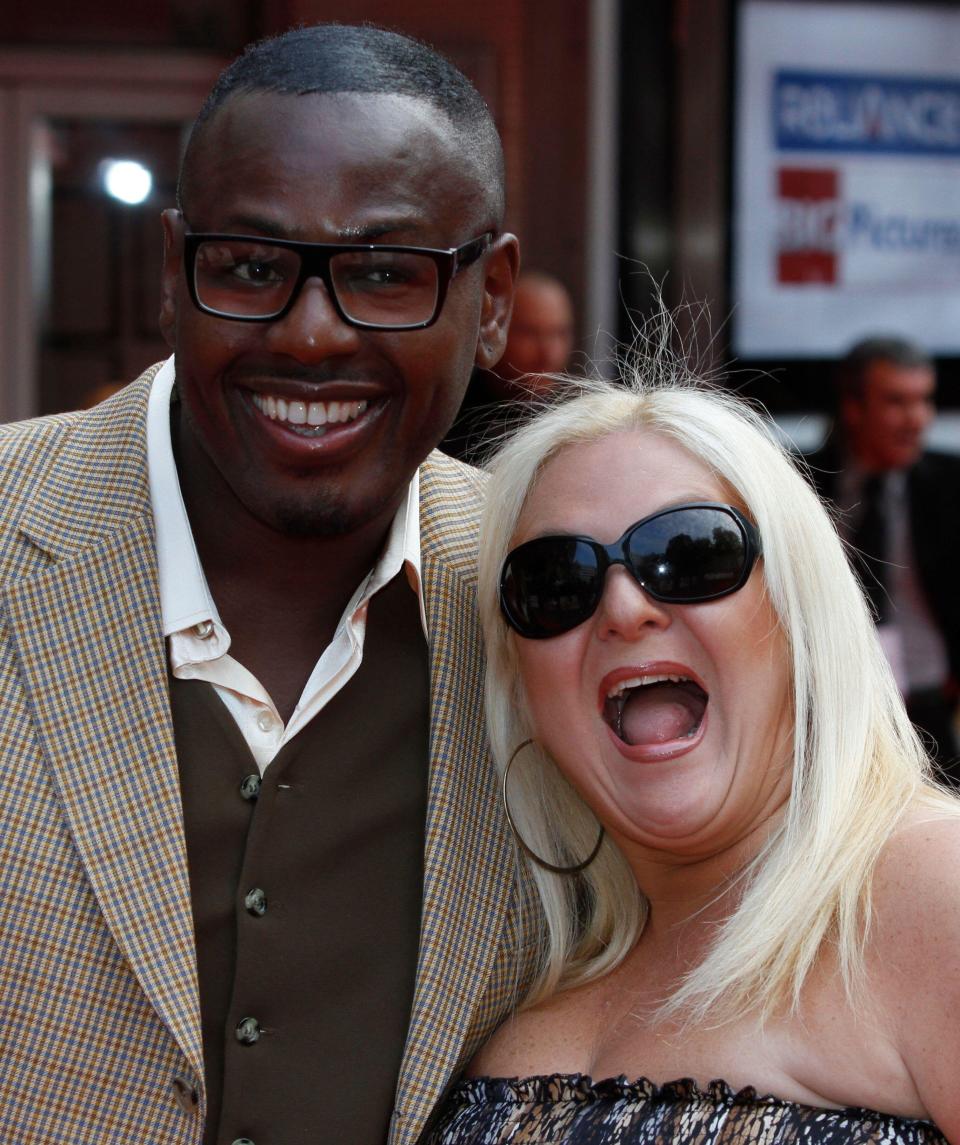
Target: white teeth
(313, 414)
(316, 414)
(641, 682)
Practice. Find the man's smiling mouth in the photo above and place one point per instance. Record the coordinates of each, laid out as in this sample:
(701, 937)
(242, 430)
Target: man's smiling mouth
(655, 709)
(309, 419)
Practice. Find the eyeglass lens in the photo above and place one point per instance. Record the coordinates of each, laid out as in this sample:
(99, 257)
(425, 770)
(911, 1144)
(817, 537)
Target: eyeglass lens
(257, 279)
(689, 554)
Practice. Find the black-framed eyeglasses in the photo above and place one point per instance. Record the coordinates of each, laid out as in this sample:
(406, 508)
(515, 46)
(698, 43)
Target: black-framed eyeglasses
(683, 555)
(248, 278)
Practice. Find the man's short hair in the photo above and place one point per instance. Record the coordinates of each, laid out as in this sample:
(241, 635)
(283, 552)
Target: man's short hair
(900, 352)
(326, 59)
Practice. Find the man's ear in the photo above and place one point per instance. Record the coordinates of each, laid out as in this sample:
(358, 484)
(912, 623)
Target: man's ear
(502, 267)
(172, 222)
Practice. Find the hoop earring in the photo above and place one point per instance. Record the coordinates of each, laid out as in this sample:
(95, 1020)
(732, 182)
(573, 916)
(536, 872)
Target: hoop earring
(577, 867)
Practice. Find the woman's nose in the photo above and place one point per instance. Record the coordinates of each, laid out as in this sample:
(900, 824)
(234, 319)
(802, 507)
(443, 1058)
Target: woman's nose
(625, 610)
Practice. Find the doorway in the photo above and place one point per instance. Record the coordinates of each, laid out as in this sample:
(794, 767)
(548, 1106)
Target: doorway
(79, 301)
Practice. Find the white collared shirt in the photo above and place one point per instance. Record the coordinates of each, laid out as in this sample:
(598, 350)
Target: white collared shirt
(198, 644)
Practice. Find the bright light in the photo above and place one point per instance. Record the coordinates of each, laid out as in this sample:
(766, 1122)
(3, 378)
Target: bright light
(126, 180)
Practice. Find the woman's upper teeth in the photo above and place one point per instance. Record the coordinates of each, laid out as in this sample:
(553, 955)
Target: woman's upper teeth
(623, 686)
(298, 412)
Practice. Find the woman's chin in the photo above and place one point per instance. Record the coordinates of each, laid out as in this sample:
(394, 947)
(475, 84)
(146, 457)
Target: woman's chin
(672, 803)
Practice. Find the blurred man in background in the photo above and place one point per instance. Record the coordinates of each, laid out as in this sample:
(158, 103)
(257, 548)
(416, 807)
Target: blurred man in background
(899, 510)
(540, 338)
(539, 344)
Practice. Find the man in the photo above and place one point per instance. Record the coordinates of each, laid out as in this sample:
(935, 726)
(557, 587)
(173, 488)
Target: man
(256, 888)
(539, 344)
(899, 512)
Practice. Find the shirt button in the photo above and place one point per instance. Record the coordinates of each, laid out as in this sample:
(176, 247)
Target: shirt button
(250, 787)
(256, 902)
(185, 1095)
(248, 1031)
(265, 721)
(204, 629)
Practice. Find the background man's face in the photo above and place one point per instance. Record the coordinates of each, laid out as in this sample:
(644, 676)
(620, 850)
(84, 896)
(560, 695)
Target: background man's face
(540, 338)
(886, 427)
(326, 168)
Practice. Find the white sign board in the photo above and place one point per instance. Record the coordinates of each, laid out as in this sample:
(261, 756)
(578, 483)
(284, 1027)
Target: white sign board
(847, 177)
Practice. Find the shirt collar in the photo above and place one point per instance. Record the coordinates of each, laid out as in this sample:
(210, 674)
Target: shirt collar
(185, 599)
(402, 549)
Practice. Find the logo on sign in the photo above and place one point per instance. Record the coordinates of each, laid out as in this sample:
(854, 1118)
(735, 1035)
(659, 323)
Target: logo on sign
(878, 114)
(808, 225)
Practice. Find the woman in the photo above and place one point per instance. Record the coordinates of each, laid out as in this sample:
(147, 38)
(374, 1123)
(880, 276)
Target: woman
(746, 870)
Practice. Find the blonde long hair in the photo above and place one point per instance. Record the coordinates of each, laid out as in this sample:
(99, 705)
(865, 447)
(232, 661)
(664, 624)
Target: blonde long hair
(857, 759)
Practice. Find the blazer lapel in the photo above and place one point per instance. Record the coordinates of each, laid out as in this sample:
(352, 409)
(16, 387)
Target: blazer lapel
(468, 876)
(87, 632)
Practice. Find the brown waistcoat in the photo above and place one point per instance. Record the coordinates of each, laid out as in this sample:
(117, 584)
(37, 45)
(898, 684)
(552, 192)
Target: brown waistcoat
(306, 898)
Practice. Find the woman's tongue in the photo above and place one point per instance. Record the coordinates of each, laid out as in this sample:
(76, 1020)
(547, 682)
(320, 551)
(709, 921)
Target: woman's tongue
(658, 713)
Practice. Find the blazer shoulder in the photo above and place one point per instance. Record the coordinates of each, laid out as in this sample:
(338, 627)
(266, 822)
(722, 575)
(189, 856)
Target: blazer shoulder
(75, 475)
(28, 455)
(36, 442)
(451, 492)
(440, 472)
(38, 437)
(451, 501)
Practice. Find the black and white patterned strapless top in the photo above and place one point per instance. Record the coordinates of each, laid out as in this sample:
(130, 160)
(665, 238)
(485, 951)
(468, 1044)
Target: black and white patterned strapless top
(569, 1109)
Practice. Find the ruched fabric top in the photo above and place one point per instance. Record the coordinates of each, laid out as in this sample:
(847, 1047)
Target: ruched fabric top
(569, 1109)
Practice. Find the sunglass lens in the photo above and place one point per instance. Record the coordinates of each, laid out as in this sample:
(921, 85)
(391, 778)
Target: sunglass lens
(689, 554)
(550, 586)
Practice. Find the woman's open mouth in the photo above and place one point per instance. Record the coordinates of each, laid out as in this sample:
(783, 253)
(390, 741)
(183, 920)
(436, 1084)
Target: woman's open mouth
(645, 711)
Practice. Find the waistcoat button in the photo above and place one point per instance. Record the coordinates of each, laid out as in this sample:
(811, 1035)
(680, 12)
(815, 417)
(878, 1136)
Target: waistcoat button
(248, 1031)
(242, 1141)
(250, 786)
(256, 902)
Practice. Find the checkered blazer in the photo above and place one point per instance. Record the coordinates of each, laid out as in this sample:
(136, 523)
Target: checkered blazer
(99, 1015)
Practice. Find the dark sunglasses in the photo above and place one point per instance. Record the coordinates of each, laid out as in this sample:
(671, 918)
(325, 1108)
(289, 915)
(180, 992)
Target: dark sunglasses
(684, 555)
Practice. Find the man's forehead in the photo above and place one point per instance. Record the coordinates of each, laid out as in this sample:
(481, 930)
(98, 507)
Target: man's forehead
(887, 378)
(369, 160)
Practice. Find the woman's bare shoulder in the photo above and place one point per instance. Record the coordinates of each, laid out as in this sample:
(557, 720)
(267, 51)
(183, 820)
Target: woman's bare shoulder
(917, 864)
(914, 950)
(916, 884)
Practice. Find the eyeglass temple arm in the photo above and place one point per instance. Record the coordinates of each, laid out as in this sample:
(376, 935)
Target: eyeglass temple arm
(754, 534)
(471, 251)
